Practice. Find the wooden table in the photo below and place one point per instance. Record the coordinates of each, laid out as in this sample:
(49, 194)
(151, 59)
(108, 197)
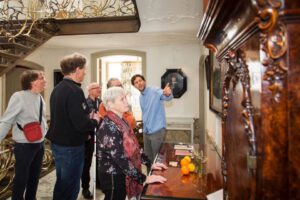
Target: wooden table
(192, 186)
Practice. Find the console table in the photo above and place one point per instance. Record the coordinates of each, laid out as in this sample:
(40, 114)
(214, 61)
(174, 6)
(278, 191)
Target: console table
(193, 186)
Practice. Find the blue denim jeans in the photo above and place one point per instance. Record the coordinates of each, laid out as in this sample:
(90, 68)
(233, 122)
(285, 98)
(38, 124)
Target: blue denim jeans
(29, 158)
(69, 164)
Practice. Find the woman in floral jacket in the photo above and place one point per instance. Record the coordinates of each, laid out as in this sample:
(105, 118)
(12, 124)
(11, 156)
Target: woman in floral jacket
(118, 153)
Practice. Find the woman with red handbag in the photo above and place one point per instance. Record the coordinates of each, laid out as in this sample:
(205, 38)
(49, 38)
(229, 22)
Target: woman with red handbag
(25, 107)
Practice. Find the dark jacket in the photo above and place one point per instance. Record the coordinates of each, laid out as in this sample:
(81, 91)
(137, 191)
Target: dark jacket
(93, 107)
(69, 119)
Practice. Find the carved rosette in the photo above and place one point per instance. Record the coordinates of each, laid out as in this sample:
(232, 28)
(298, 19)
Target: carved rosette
(274, 44)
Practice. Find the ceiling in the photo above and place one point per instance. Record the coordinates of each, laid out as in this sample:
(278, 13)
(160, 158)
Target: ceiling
(162, 22)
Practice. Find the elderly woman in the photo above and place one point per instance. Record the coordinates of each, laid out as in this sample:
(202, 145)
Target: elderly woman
(118, 153)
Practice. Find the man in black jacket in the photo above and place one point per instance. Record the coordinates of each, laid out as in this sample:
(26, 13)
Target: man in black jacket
(70, 125)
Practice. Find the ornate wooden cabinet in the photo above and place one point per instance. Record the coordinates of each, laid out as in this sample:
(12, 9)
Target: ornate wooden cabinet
(257, 44)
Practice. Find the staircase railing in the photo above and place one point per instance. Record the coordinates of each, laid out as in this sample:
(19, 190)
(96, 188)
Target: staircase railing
(27, 24)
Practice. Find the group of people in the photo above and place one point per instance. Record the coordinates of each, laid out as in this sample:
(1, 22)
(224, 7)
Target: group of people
(75, 122)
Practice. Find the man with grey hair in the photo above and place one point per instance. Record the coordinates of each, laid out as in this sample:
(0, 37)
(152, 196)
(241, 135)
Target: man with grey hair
(93, 102)
(114, 82)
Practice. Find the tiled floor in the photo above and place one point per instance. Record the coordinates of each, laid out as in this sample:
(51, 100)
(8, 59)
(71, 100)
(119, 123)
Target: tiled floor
(46, 186)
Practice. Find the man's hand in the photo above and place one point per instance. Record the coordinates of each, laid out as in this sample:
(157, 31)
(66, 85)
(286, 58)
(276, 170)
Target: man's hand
(159, 166)
(95, 116)
(167, 91)
(155, 179)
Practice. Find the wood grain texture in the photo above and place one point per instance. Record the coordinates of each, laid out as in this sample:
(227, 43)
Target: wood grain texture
(267, 35)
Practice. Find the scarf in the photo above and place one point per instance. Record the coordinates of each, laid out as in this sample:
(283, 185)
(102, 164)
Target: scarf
(132, 152)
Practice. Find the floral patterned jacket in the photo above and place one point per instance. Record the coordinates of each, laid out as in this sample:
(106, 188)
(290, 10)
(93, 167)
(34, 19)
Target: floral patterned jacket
(110, 153)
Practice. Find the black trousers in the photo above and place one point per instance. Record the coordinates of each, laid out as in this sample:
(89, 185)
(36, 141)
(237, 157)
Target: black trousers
(89, 150)
(113, 186)
(29, 158)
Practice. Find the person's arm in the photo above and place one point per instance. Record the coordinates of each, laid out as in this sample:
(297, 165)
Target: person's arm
(9, 116)
(102, 110)
(145, 160)
(166, 94)
(111, 144)
(79, 113)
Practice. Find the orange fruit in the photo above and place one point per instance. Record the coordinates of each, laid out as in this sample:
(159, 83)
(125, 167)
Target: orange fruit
(184, 170)
(184, 162)
(191, 167)
(187, 158)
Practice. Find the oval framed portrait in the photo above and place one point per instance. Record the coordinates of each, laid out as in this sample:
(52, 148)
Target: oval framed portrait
(176, 80)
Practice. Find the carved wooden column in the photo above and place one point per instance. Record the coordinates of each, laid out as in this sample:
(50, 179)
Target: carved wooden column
(258, 47)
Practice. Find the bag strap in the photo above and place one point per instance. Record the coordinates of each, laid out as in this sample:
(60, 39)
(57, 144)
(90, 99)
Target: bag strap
(41, 110)
(40, 117)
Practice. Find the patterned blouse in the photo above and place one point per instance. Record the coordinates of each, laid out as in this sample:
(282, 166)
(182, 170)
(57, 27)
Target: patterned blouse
(110, 153)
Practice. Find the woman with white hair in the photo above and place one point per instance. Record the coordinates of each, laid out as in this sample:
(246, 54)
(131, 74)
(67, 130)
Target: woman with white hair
(118, 152)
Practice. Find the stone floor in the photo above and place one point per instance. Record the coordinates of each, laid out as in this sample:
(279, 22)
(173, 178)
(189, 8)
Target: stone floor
(46, 186)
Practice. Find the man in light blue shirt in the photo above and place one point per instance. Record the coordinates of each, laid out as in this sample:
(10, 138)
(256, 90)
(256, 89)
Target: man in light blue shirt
(153, 114)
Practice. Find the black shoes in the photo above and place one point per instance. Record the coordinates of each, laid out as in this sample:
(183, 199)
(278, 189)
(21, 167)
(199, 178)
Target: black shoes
(87, 194)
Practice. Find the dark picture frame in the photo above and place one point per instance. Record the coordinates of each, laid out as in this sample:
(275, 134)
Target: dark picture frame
(215, 91)
(57, 76)
(207, 70)
(177, 81)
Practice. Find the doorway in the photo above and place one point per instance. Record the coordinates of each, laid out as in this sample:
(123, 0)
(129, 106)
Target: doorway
(121, 64)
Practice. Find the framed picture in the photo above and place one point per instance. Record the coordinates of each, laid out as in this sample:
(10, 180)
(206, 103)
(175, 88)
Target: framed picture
(57, 76)
(177, 81)
(207, 71)
(215, 91)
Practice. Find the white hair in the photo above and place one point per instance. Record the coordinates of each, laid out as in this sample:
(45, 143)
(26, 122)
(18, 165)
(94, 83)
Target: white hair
(92, 85)
(111, 94)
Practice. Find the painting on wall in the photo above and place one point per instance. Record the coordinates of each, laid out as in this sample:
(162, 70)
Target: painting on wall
(57, 76)
(207, 71)
(176, 80)
(215, 91)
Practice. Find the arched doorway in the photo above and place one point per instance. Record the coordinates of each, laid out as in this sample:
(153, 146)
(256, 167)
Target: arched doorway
(121, 64)
(11, 80)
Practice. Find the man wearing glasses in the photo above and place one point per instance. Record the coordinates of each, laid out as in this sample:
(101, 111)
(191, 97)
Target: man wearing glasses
(93, 102)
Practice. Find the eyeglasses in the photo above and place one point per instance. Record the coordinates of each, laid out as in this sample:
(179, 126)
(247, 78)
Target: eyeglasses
(96, 88)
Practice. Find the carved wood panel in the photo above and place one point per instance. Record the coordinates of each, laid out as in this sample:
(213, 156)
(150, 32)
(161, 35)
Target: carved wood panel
(260, 121)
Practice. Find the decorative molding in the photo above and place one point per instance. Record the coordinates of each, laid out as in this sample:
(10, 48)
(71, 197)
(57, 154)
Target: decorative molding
(171, 19)
(238, 71)
(268, 13)
(213, 9)
(274, 44)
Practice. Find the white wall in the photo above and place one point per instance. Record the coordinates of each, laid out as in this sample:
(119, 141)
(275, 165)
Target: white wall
(159, 58)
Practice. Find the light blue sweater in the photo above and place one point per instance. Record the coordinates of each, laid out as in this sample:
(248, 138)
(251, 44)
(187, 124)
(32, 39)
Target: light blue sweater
(153, 110)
